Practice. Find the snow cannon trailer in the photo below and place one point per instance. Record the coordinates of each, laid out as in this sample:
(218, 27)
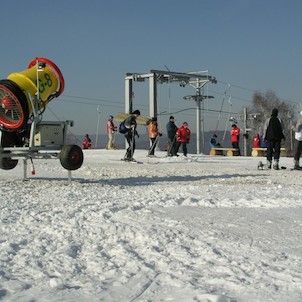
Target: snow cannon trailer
(23, 99)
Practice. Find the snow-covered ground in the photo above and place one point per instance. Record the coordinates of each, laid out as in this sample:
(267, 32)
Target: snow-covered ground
(200, 228)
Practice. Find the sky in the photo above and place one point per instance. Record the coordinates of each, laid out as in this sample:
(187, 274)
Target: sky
(247, 45)
(169, 229)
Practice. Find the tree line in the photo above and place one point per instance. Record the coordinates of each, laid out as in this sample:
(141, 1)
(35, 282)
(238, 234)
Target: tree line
(261, 109)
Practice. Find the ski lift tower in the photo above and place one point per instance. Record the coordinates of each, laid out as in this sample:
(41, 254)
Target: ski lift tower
(195, 79)
(198, 99)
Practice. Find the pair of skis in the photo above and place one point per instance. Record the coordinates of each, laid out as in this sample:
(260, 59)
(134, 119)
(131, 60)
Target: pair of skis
(153, 146)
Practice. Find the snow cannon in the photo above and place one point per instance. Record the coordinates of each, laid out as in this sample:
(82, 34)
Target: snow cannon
(27, 91)
(24, 135)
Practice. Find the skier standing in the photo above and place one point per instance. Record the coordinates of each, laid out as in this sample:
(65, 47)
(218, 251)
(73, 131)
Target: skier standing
(130, 124)
(153, 135)
(171, 132)
(273, 134)
(111, 129)
(183, 135)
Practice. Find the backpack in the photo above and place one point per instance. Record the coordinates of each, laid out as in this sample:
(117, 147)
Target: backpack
(122, 128)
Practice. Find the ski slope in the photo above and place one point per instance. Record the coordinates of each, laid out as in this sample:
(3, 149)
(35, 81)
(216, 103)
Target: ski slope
(202, 228)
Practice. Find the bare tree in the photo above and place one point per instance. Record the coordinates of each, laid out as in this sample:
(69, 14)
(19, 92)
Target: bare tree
(262, 106)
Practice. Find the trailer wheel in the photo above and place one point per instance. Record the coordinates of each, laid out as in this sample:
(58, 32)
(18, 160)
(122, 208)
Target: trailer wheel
(6, 163)
(71, 157)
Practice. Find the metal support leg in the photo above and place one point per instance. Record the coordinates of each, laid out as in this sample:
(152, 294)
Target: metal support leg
(69, 175)
(24, 169)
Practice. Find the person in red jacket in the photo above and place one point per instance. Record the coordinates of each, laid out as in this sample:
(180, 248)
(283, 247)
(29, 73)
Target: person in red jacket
(235, 132)
(256, 142)
(183, 135)
(86, 142)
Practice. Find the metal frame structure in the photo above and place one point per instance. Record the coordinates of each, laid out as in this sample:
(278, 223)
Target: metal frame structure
(155, 77)
(32, 150)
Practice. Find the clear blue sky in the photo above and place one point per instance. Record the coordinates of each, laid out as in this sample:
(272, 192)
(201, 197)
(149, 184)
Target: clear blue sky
(251, 44)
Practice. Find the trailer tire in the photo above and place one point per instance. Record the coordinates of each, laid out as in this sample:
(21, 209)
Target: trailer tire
(7, 163)
(71, 157)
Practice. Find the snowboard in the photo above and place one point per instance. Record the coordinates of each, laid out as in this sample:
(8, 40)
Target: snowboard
(140, 120)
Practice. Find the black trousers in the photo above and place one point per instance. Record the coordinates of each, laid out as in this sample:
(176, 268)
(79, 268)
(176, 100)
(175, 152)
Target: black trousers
(273, 150)
(172, 146)
(235, 145)
(130, 137)
(184, 148)
(298, 151)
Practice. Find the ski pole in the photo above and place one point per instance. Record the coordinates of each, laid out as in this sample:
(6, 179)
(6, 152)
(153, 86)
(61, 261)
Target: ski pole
(153, 145)
(132, 143)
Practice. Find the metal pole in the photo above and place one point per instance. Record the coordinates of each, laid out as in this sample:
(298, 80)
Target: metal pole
(202, 127)
(197, 124)
(198, 121)
(245, 131)
(97, 127)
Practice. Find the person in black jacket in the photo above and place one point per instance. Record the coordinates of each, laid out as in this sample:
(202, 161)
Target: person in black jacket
(273, 134)
(130, 124)
(171, 132)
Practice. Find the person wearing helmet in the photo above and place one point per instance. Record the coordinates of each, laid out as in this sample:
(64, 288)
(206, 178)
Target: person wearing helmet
(110, 129)
(298, 138)
(183, 135)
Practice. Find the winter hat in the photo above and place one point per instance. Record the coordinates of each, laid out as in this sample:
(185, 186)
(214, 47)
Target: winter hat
(171, 117)
(136, 112)
(154, 119)
(214, 135)
(275, 112)
(110, 116)
(234, 125)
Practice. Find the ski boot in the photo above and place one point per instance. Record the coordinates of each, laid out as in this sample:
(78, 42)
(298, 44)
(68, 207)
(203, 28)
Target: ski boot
(269, 164)
(276, 164)
(297, 166)
(260, 165)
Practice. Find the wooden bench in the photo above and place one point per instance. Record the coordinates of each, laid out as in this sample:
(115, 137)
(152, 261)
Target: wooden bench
(256, 152)
(219, 151)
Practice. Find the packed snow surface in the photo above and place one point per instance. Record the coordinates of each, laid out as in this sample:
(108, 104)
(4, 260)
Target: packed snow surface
(201, 228)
